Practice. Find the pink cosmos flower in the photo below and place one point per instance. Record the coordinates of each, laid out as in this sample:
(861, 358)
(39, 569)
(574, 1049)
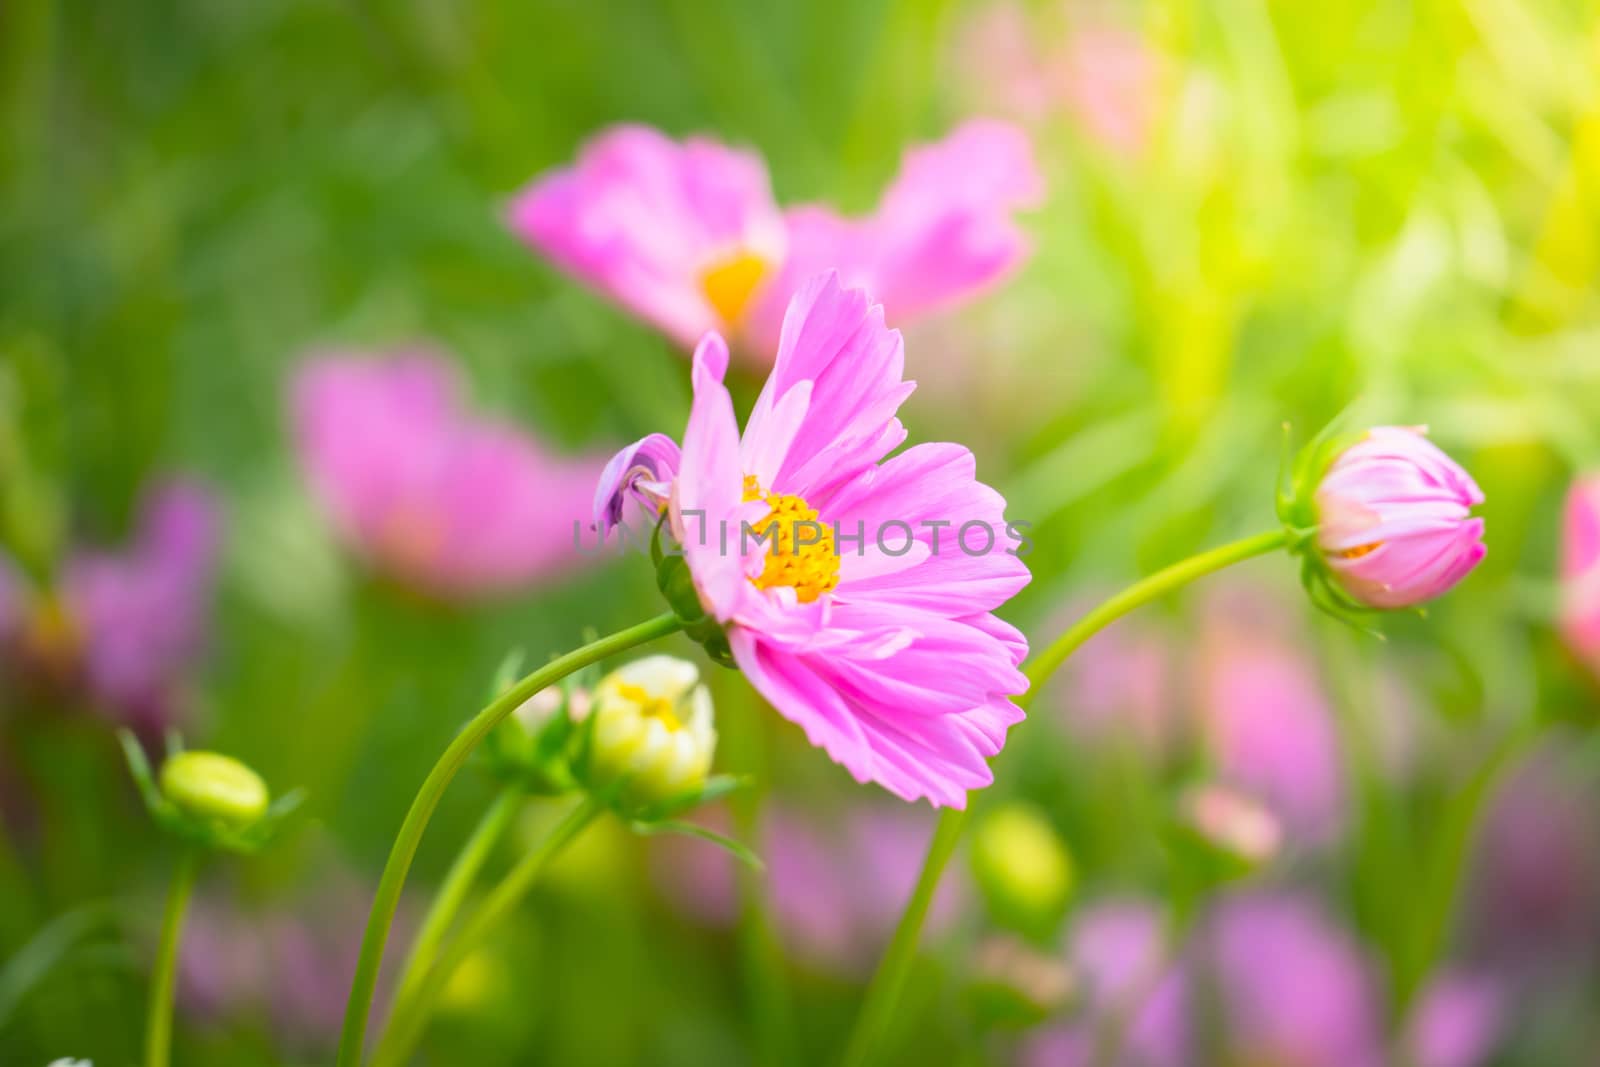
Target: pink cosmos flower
(836, 884)
(1293, 987)
(687, 236)
(449, 503)
(1457, 1021)
(124, 628)
(1393, 519)
(1117, 950)
(884, 652)
(1580, 571)
(1266, 718)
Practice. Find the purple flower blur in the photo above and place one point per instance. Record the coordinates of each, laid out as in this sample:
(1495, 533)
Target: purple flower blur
(687, 236)
(836, 885)
(124, 628)
(453, 505)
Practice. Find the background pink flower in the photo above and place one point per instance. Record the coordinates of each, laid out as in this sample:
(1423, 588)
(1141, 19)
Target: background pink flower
(450, 503)
(1580, 570)
(686, 235)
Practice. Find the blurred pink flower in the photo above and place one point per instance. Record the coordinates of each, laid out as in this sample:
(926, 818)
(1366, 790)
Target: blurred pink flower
(687, 236)
(124, 628)
(1536, 872)
(1266, 719)
(1292, 988)
(288, 967)
(1457, 1021)
(1123, 683)
(1036, 64)
(1580, 571)
(1117, 950)
(887, 657)
(1394, 522)
(836, 885)
(451, 504)
(1111, 78)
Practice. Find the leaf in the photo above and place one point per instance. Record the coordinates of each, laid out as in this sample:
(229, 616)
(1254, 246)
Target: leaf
(737, 849)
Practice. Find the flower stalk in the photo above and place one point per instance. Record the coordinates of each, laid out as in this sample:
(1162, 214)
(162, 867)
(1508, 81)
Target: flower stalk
(163, 979)
(887, 984)
(411, 1014)
(387, 899)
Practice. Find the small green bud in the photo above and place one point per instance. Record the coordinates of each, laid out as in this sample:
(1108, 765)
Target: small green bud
(215, 788)
(1023, 868)
(1015, 986)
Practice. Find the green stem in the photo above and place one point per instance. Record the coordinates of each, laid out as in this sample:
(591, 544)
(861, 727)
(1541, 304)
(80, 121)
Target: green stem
(410, 1016)
(387, 898)
(163, 979)
(889, 981)
(453, 893)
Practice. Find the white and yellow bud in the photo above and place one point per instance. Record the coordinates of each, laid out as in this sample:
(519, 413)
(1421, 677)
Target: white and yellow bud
(652, 731)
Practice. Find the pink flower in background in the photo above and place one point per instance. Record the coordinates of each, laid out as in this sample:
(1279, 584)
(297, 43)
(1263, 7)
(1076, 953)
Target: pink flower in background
(1110, 82)
(836, 885)
(886, 654)
(125, 628)
(452, 504)
(1394, 521)
(1291, 986)
(1124, 683)
(1265, 717)
(1040, 64)
(1536, 873)
(1457, 1021)
(687, 236)
(1580, 571)
(1117, 950)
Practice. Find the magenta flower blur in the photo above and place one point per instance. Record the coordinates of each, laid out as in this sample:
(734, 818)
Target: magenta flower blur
(835, 884)
(1580, 571)
(452, 504)
(687, 236)
(1394, 523)
(1266, 719)
(1457, 1021)
(1117, 951)
(886, 653)
(125, 628)
(1293, 988)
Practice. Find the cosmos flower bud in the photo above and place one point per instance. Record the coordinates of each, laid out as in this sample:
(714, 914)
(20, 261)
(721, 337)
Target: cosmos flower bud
(1023, 868)
(651, 738)
(1016, 985)
(215, 789)
(1390, 520)
(1234, 826)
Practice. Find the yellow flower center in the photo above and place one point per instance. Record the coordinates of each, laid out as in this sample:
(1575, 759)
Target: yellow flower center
(806, 563)
(652, 707)
(730, 283)
(1359, 551)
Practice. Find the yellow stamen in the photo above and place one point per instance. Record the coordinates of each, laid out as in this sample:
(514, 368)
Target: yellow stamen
(1359, 551)
(730, 284)
(655, 707)
(810, 569)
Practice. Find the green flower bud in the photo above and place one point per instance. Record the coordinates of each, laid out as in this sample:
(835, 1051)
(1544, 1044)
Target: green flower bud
(215, 788)
(1222, 834)
(651, 739)
(1023, 868)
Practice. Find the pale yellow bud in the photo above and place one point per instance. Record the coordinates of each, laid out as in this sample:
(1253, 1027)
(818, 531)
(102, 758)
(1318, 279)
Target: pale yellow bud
(652, 729)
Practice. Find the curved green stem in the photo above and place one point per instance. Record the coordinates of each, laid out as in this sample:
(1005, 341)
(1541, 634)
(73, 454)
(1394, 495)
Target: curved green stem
(387, 898)
(453, 892)
(889, 981)
(163, 979)
(410, 1017)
